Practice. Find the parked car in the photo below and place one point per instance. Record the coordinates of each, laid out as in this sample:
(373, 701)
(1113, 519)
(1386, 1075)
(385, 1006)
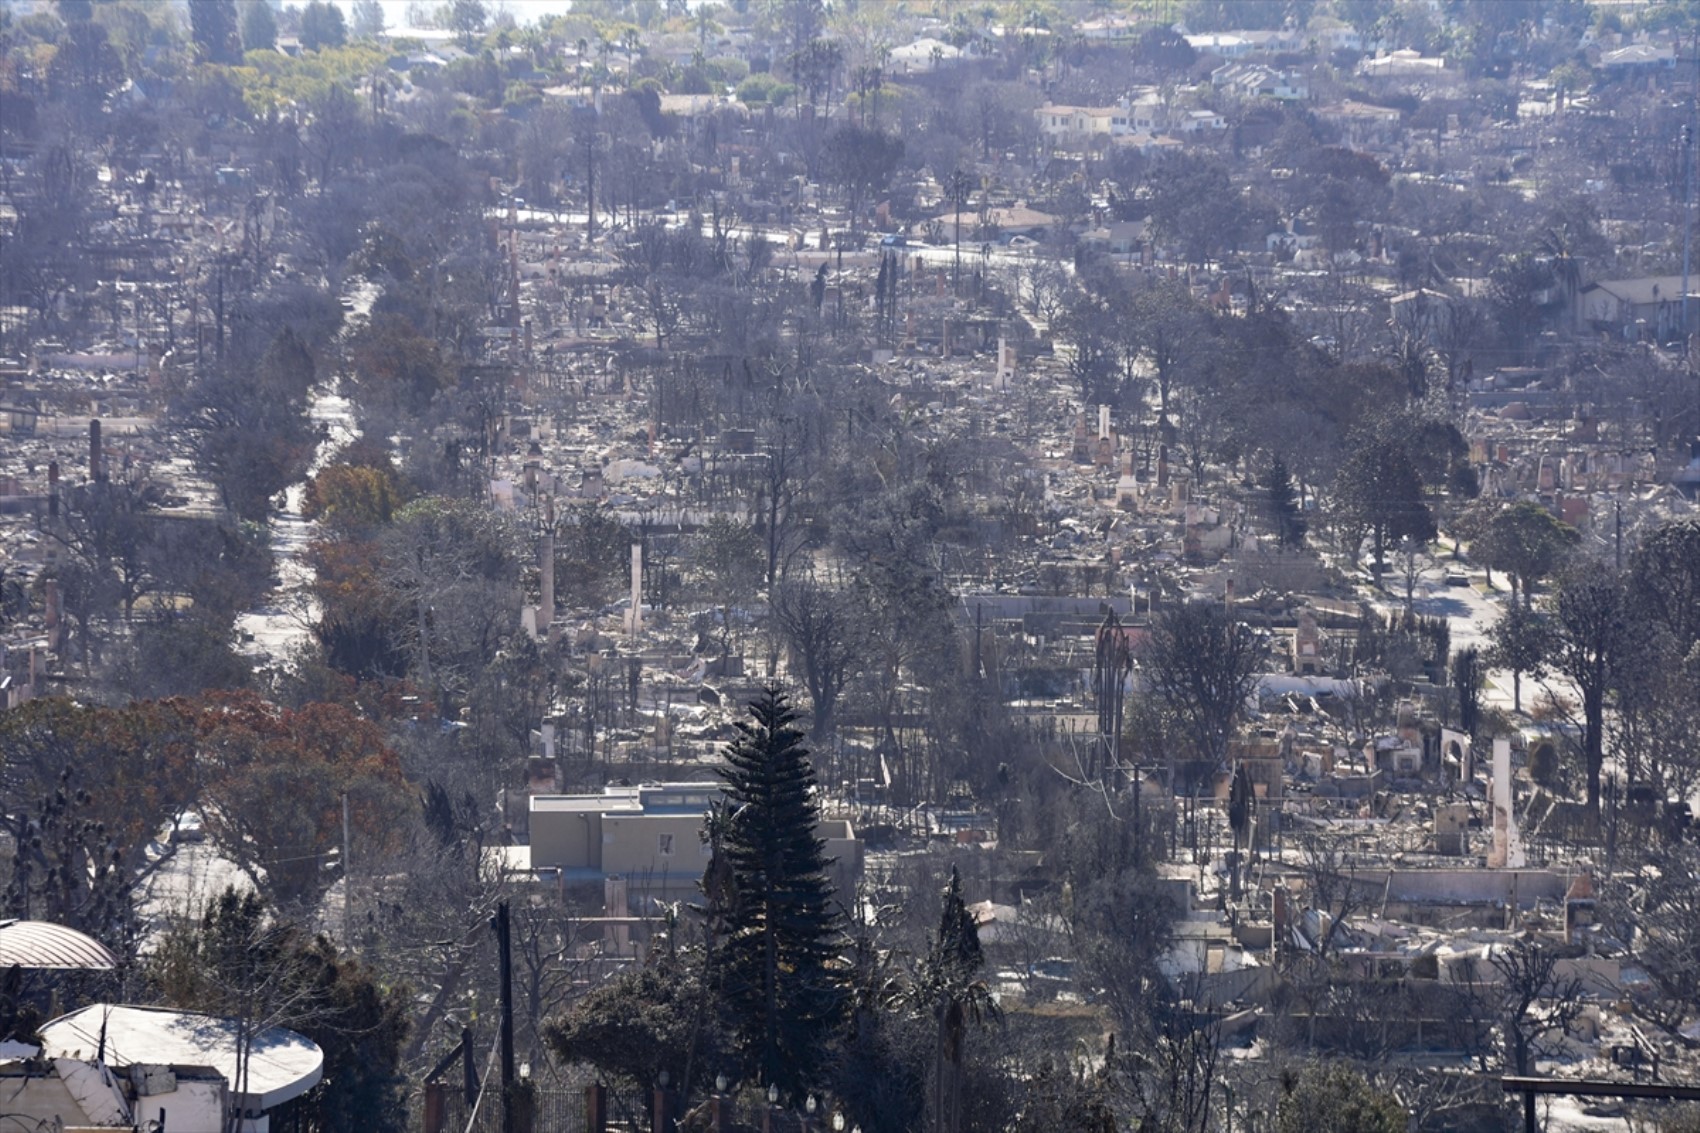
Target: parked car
(187, 828)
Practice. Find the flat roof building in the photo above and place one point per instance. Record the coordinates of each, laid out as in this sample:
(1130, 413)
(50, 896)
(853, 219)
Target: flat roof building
(650, 838)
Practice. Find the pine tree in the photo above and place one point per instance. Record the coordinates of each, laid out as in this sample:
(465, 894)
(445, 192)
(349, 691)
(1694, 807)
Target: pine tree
(779, 965)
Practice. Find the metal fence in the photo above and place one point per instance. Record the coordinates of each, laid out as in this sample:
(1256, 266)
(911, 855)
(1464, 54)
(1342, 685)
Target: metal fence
(559, 1111)
(552, 1111)
(564, 1108)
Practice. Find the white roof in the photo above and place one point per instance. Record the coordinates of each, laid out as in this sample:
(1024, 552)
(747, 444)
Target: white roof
(42, 945)
(281, 1065)
(921, 51)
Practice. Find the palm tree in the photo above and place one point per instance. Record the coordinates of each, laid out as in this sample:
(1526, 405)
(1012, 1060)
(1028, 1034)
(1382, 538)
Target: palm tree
(1566, 268)
(950, 986)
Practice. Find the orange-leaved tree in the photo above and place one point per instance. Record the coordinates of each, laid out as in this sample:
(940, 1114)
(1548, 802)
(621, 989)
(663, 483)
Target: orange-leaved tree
(275, 783)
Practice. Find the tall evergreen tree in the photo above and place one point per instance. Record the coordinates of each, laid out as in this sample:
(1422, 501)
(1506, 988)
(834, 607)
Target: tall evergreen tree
(212, 23)
(780, 967)
(259, 26)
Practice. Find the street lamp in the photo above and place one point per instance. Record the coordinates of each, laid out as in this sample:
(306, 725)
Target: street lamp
(838, 1122)
(718, 1103)
(773, 1095)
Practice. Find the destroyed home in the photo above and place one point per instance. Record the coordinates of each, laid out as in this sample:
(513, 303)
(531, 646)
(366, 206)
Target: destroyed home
(641, 558)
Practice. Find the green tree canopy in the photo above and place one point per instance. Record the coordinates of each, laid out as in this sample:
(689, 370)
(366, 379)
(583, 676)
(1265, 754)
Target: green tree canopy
(241, 961)
(1522, 642)
(637, 1025)
(1523, 539)
(467, 19)
(1332, 1098)
(1594, 636)
(1379, 490)
(859, 160)
(1665, 575)
(368, 19)
(322, 26)
(259, 26)
(212, 23)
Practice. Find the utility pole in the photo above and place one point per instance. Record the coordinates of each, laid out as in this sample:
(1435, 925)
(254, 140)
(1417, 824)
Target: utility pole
(1687, 239)
(1687, 224)
(347, 882)
(1687, 181)
(979, 670)
(1619, 540)
(958, 190)
(505, 987)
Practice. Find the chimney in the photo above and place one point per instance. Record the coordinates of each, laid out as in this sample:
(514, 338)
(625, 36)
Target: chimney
(53, 488)
(94, 451)
(529, 470)
(614, 902)
(637, 589)
(1499, 854)
(1103, 422)
(546, 567)
(51, 617)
